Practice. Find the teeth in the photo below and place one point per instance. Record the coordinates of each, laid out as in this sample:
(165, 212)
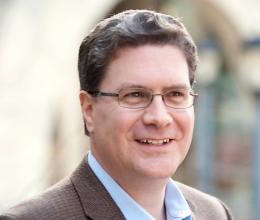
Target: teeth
(155, 142)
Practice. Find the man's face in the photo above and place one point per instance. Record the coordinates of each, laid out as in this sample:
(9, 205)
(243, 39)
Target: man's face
(117, 133)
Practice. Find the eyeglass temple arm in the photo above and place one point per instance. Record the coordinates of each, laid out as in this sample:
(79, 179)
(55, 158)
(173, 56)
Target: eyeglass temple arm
(97, 93)
(193, 93)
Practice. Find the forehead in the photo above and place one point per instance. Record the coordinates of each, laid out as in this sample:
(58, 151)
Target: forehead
(150, 66)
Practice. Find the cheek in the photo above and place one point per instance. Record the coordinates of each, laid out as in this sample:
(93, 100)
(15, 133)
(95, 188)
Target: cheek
(185, 121)
(125, 120)
(114, 121)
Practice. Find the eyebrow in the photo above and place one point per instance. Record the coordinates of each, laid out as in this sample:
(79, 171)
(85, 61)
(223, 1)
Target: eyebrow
(132, 85)
(177, 86)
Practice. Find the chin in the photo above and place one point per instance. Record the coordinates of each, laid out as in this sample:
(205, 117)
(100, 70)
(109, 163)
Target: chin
(160, 171)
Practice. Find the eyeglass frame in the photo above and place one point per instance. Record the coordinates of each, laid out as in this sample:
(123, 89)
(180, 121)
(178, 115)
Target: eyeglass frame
(112, 94)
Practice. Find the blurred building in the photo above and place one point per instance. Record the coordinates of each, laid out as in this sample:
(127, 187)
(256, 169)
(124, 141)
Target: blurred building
(41, 129)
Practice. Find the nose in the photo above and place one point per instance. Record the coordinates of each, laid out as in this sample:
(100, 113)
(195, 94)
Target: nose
(157, 113)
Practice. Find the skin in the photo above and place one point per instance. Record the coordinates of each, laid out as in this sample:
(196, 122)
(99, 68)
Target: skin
(115, 132)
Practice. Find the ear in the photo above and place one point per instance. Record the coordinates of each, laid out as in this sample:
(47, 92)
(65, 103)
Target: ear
(86, 102)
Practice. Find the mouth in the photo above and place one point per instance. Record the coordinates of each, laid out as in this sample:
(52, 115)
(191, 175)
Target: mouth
(158, 142)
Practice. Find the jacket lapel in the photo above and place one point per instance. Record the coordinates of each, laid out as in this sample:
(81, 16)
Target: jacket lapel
(192, 208)
(96, 201)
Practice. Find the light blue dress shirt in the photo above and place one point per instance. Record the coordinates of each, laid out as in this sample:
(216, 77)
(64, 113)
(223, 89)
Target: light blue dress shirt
(176, 206)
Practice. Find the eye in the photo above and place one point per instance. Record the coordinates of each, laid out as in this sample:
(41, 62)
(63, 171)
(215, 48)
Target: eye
(135, 94)
(175, 93)
(133, 97)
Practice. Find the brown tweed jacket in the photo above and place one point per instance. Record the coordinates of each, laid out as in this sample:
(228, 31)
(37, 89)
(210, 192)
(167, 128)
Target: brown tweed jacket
(82, 196)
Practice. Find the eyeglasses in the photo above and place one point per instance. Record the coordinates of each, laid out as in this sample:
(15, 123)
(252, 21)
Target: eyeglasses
(137, 98)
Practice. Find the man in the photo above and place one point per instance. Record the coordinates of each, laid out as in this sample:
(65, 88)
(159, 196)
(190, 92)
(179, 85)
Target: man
(136, 73)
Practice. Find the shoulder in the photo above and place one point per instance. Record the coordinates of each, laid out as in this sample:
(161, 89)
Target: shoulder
(204, 206)
(58, 202)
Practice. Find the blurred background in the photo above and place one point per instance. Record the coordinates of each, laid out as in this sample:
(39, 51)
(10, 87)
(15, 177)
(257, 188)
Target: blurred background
(41, 128)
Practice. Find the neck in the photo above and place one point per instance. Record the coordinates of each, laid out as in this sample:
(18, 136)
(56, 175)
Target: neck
(149, 194)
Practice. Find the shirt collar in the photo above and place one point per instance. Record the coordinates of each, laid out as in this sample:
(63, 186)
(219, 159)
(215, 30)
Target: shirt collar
(176, 205)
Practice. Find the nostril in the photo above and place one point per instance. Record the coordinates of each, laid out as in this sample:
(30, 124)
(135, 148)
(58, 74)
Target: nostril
(157, 118)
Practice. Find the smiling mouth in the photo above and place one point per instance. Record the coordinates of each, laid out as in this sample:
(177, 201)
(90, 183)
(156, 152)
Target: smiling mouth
(154, 142)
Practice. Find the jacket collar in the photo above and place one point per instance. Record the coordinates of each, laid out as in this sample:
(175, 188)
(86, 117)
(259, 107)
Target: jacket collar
(95, 200)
